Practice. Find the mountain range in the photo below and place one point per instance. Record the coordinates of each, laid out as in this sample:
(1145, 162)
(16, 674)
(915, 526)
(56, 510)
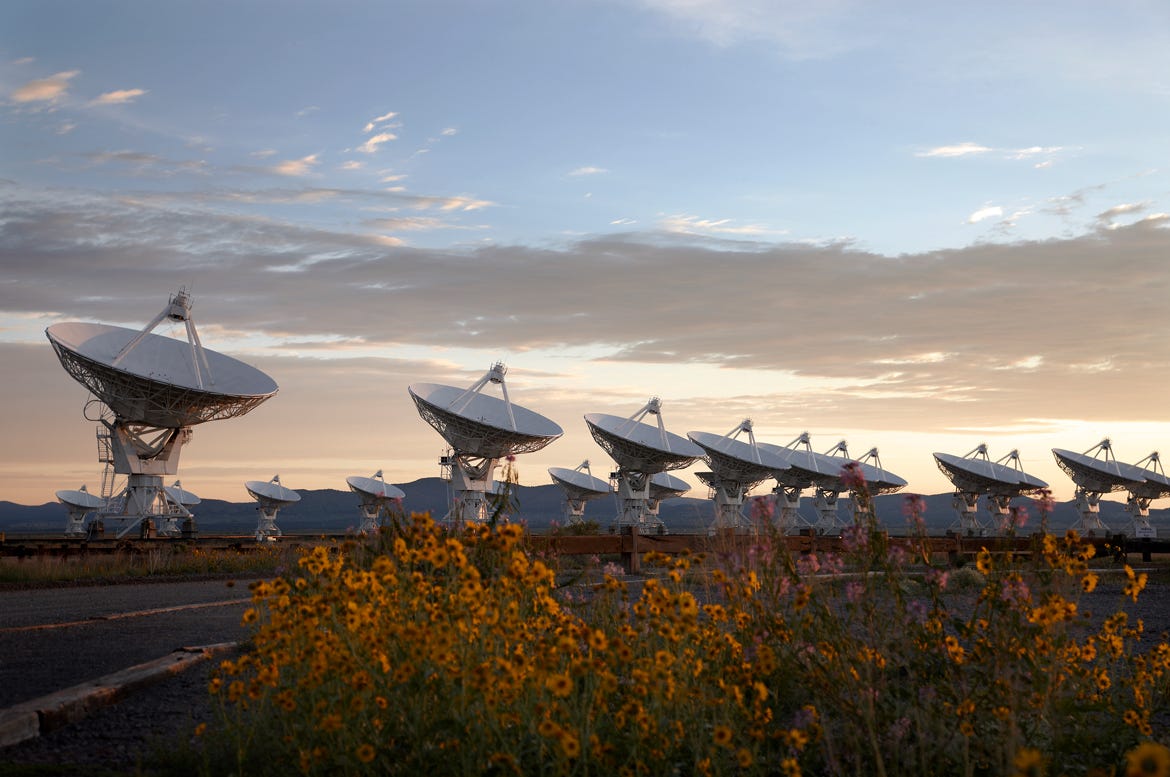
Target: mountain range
(331, 511)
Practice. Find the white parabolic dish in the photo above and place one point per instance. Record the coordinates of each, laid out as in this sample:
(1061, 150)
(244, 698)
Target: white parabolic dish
(825, 471)
(156, 383)
(983, 475)
(374, 488)
(734, 459)
(482, 427)
(1098, 474)
(664, 485)
(578, 484)
(80, 499)
(641, 447)
(181, 496)
(266, 491)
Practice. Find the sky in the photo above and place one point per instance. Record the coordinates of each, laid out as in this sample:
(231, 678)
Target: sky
(915, 226)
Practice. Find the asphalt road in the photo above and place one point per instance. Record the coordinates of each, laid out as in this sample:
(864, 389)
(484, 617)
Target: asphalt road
(52, 639)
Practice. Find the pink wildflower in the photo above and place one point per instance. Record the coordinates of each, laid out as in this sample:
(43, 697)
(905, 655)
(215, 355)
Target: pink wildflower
(852, 477)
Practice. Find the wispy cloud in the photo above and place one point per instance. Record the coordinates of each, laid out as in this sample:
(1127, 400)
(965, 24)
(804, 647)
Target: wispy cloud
(296, 167)
(373, 123)
(984, 213)
(588, 170)
(371, 145)
(956, 150)
(118, 97)
(45, 90)
(696, 225)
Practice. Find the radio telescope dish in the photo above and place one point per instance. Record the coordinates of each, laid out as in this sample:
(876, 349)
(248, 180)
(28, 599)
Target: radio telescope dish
(1157, 485)
(79, 504)
(378, 499)
(737, 467)
(641, 451)
(271, 496)
(153, 389)
(1096, 472)
(481, 429)
(580, 487)
(826, 471)
(181, 496)
(975, 474)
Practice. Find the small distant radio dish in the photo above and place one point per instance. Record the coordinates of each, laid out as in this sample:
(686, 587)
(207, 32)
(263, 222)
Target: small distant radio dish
(1096, 472)
(481, 429)
(180, 496)
(378, 499)
(79, 503)
(580, 487)
(737, 466)
(641, 451)
(271, 496)
(153, 389)
(975, 474)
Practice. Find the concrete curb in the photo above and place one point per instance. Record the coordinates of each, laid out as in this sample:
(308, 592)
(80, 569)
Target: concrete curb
(30, 719)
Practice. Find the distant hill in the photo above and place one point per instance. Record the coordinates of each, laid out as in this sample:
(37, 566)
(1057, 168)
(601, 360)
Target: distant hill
(331, 511)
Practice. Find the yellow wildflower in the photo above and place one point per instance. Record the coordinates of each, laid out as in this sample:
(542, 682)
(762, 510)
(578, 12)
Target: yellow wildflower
(1149, 759)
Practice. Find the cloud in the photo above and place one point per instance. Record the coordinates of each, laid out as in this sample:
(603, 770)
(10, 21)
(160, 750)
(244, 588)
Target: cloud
(956, 337)
(588, 171)
(47, 90)
(296, 167)
(990, 211)
(448, 132)
(118, 97)
(957, 150)
(373, 123)
(352, 164)
(1107, 219)
(693, 224)
(406, 224)
(371, 145)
